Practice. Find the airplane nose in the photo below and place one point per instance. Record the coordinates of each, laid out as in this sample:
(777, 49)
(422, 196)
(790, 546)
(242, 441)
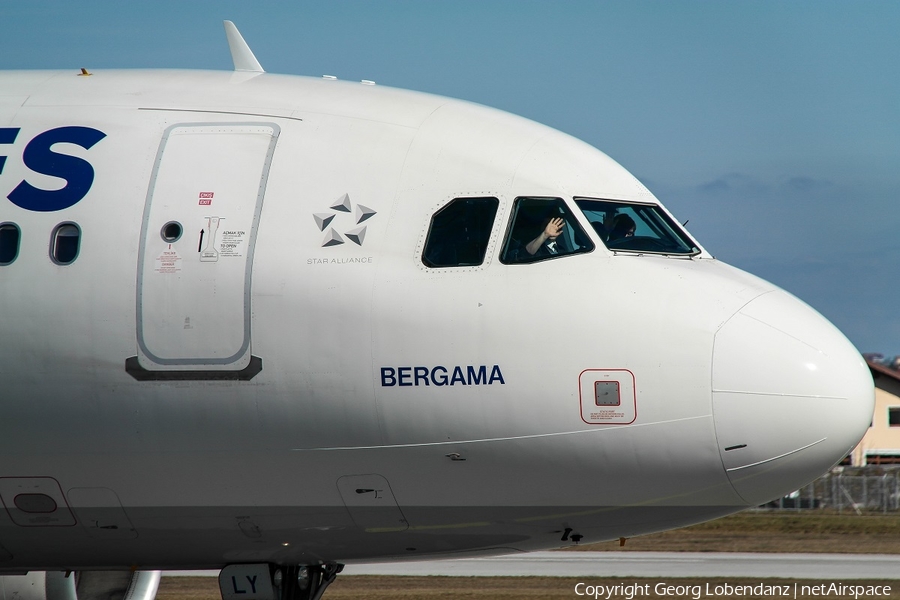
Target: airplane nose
(791, 396)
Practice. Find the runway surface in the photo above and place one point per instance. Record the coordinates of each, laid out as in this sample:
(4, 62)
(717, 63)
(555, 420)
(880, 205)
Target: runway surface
(831, 567)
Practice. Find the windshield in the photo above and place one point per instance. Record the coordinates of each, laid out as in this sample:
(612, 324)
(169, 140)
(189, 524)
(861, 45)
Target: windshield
(543, 228)
(635, 227)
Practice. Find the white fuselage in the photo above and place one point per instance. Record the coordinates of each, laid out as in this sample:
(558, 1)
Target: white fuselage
(291, 399)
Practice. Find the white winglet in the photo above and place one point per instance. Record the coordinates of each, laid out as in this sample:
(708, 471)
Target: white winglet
(240, 52)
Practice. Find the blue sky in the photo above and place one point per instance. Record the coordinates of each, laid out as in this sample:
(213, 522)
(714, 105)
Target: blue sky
(774, 127)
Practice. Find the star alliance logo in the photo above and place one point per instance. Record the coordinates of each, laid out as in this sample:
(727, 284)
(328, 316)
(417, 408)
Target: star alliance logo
(343, 205)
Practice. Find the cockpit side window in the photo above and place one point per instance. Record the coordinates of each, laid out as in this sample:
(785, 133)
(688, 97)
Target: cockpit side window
(543, 228)
(636, 227)
(460, 232)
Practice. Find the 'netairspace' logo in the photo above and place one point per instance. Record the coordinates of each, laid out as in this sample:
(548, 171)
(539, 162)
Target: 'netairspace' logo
(725, 590)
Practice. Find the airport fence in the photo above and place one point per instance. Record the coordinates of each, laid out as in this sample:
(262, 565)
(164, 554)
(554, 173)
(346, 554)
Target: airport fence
(842, 492)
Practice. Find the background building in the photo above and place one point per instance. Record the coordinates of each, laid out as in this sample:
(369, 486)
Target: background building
(881, 444)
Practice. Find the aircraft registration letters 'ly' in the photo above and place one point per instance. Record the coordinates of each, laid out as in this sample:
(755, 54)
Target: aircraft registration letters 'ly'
(291, 323)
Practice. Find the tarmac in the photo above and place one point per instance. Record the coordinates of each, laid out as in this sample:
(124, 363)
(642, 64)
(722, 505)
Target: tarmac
(829, 567)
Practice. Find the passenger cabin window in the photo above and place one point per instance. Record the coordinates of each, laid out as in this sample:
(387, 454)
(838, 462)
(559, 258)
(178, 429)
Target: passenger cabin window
(540, 229)
(459, 233)
(636, 227)
(64, 243)
(9, 243)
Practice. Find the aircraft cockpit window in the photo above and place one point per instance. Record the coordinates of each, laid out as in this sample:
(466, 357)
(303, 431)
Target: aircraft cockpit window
(9, 243)
(543, 228)
(460, 232)
(64, 243)
(636, 227)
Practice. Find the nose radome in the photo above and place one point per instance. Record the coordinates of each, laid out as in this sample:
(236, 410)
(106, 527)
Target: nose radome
(791, 396)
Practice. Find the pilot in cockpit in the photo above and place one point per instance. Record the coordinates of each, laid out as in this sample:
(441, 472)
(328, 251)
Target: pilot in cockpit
(545, 244)
(543, 228)
(622, 227)
(615, 226)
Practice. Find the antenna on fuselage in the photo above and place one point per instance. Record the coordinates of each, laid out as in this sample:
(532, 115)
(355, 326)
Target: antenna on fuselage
(240, 52)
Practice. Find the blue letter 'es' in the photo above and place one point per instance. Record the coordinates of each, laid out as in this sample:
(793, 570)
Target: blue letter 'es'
(39, 157)
(7, 136)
